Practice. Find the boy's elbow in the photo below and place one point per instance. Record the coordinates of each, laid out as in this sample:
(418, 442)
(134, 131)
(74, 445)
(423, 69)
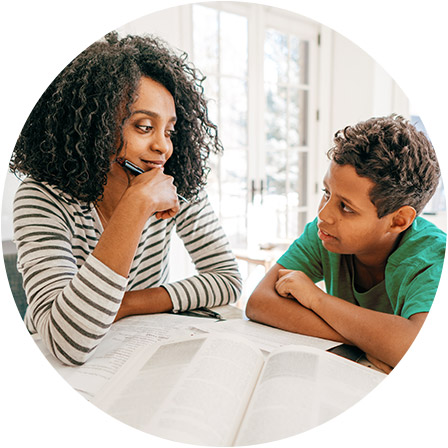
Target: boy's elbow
(252, 307)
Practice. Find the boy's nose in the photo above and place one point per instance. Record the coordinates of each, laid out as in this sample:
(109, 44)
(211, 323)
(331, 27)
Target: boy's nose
(324, 214)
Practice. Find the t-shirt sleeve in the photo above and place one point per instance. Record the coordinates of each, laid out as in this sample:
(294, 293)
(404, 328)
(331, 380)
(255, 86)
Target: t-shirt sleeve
(305, 254)
(418, 291)
(414, 269)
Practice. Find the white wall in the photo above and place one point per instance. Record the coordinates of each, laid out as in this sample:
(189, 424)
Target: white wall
(353, 88)
(172, 25)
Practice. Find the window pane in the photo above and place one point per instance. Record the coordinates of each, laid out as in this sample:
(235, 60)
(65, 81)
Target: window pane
(234, 186)
(205, 38)
(276, 173)
(298, 178)
(302, 221)
(213, 182)
(298, 65)
(275, 117)
(293, 222)
(233, 102)
(233, 45)
(234, 174)
(298, 118)
(211, 93)
(276, 57)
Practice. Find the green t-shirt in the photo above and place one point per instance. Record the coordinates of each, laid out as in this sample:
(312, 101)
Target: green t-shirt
(412, 274)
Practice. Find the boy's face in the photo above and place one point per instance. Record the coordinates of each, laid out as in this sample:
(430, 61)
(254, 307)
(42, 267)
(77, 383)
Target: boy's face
(347, 219)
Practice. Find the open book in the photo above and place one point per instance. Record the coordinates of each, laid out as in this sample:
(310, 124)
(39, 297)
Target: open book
(222, 390)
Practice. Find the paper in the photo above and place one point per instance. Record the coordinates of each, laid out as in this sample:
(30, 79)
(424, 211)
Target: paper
(219, 390)
(301, 388)
(265, 337)
(123, 338)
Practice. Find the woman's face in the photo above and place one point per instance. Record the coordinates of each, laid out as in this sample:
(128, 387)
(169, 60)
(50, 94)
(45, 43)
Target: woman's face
(147, 132)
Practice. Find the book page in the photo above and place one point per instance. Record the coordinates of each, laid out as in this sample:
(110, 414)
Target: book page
(300, 388)
(265, 337)
(123, 338)
(138, 390)
(191, 391)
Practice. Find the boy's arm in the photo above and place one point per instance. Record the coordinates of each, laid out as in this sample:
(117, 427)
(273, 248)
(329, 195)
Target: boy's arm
(383, 336)
(266, 306)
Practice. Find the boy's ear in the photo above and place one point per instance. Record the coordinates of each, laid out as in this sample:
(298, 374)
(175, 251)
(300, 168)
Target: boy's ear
(402, 218)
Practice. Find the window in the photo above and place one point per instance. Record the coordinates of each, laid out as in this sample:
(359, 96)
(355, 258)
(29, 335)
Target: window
(220, 49)
(286, 130)
(258, 69)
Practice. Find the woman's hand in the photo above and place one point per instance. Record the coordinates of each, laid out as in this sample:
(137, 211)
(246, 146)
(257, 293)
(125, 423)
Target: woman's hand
(298, 285)
(159, 191)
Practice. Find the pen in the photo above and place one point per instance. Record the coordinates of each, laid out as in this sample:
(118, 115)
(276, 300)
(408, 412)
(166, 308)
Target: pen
(135, 170)
(203, 312)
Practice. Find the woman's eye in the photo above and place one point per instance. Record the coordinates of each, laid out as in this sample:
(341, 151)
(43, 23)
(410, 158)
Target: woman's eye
(144, 127)
(326, 193)
(170, 133)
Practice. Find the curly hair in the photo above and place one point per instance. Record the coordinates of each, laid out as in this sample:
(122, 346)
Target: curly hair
(391, 152)
(75, 129)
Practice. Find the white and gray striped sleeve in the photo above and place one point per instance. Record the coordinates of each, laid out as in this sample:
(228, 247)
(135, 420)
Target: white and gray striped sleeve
(218, 281)
(70, 308)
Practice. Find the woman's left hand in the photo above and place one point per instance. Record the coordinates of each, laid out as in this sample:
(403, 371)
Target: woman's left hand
(298, 285)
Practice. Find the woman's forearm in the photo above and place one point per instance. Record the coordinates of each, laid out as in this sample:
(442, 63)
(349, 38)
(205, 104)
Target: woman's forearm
(145, 301)
(118, 242)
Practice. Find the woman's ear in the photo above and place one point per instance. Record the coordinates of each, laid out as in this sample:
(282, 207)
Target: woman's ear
(403, 218)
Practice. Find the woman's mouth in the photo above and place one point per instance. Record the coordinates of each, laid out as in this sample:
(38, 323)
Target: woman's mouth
(151, 164)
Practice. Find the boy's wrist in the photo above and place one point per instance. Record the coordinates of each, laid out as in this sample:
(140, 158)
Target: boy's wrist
(319, 300)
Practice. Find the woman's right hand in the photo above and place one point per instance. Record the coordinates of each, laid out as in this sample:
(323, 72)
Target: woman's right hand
(158, 191)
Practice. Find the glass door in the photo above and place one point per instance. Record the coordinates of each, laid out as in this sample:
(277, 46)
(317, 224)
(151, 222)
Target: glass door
(220, 49)
(284, 175)
(260, 80)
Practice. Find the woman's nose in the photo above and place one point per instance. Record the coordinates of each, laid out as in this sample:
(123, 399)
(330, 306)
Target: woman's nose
(160, 143)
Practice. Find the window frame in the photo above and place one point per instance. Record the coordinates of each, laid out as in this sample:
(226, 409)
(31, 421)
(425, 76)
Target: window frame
(260, 18)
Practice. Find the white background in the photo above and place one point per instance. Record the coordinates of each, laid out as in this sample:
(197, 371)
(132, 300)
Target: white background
(408, 38)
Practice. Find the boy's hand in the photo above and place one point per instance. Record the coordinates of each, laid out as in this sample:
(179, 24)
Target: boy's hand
(298, 285)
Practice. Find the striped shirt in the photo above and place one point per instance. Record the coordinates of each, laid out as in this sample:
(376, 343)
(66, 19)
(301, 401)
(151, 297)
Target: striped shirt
(73, 297)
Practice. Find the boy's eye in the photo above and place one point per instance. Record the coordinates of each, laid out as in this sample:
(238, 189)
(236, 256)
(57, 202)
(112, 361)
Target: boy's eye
(346, 208)
(326, 193)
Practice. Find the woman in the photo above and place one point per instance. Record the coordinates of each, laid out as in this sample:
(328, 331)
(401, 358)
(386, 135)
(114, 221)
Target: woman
(92, 236)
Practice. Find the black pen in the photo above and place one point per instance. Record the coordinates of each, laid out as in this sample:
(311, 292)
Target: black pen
(203, 312)
(136, 170)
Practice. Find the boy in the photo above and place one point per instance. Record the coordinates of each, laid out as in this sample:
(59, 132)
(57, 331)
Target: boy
(380, 262)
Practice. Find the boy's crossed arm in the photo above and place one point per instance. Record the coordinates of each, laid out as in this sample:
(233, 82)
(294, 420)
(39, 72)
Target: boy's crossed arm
(291, 301)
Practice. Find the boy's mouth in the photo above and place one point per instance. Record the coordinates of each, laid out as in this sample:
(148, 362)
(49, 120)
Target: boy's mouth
(324, 236)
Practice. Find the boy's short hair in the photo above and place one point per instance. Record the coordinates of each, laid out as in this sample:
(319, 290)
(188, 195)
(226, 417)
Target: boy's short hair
(391, 152)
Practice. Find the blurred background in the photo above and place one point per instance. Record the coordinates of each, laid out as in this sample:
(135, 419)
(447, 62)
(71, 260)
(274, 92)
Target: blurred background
(279, 86)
